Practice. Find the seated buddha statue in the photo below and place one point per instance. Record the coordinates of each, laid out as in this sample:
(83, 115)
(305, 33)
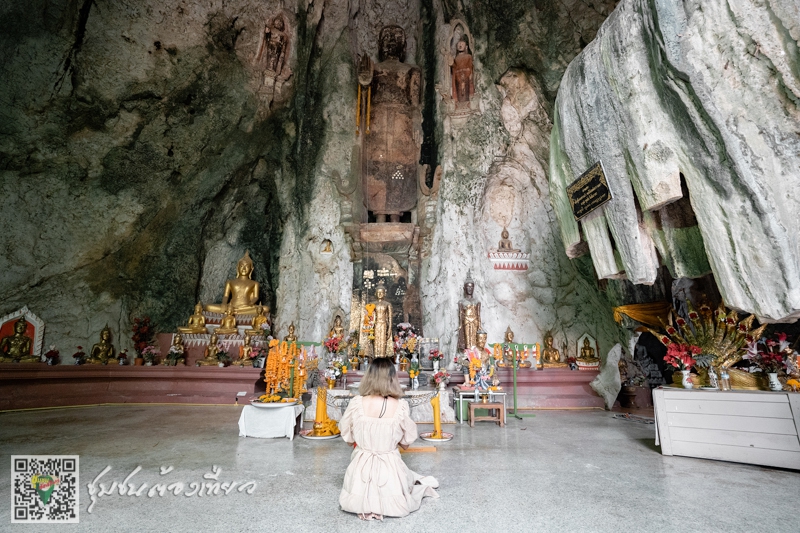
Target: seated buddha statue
(241, 292)
(197, 322)
(103, 351)
(509, 353)
(177, 352)
(210, 354)
(259, 320)
(244, 352)
(228, 324)
(587, 353)
(291, 337)
(505, 243)
(551, 357)
(17, 347)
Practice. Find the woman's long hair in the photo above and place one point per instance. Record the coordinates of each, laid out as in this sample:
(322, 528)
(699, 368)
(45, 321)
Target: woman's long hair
(380, 380)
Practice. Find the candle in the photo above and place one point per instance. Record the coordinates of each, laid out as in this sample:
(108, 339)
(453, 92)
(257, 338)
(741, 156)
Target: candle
(322, 405)
(437, 418)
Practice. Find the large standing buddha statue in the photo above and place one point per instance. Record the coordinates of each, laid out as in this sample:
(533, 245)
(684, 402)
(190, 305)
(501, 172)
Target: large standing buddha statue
(469, 317)
(392, 147)
(241, 293)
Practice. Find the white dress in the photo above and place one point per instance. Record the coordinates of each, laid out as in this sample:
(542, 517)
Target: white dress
(377, 480)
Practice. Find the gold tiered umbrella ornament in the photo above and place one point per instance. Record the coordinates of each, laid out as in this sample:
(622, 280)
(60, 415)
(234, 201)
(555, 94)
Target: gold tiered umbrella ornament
(720, 335)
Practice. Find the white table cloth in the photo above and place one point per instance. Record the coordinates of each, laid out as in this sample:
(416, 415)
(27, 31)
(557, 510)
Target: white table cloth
(269, 423)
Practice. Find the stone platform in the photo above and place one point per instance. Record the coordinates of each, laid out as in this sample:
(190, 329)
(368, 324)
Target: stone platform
(25, 386)
(552, 388)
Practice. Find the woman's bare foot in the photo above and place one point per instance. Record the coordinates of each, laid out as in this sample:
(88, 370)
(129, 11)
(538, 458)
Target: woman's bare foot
(370, 516)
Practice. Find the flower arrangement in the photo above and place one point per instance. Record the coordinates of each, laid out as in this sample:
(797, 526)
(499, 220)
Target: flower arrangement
(258, 351)
(334, 344)
(52, 355)
(435, 355)
(142, 334)
(441, 376)
(680, 355)
(122, 356)
(175, 353)
(149, 353)
(368, 325)
(770, 355)
(224, 356)
(405, 342)
(79, 356)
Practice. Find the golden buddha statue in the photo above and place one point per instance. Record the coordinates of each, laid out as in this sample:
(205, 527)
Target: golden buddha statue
(337, 330)
(469, 317)
(258, 322)
(587, 352)
(177, 352)
(103, 351)
(384, 338)
(509, 354)
(244, 352)
(551, 357)
(505, 243)
(228, 324)
(210, 354)
(197, 322)
(17, 347)
(291, 337)
(241, 292)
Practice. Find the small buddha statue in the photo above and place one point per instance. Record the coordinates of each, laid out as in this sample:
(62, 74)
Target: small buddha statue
(337, 330)
(17, 347)
(290, 337)
(210, 354)
(228, 324)
(587, 352)
(103, 351)
(551, 357)
(244, 352)
(384, 340)
(258, 323)
(241, 292)
(469, 316)
(505, 243)
(197, 322)
(177, 352)
(509, 354)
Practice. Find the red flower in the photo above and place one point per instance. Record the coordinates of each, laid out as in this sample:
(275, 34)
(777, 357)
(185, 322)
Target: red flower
(781, 337)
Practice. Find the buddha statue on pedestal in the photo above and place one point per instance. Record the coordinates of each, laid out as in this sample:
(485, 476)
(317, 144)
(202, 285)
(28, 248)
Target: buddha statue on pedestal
(551, 357)
(244, 352)
(197, 322)
(211, 351)
(505, 243)
(383, 344)
(17, 347)
(241, 292)
(587, 353)
(469, 317)
(291, 337)
(258, 323)
(228, 324)
(103, 351)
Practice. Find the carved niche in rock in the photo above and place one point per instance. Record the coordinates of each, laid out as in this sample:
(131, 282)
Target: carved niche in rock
(273, 56)
(461, 100)
(392, 148)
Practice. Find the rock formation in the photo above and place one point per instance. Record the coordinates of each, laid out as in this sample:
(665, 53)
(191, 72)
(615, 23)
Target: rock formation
(693, 109)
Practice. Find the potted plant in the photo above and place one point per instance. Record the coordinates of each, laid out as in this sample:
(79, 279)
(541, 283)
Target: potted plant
(440, 379)
(435, 356)
(52, 355)
(680, 356)
(142, 334)
(79, 356)
(150, 354)
(223, 357)
(770, 356)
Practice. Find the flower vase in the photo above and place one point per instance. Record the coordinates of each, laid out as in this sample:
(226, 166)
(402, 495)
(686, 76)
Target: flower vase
(435, 366)
(441, 385)
(774, 384)
(331, 383)
(686, 379)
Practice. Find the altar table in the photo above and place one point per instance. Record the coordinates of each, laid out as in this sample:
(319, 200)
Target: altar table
(269, 423)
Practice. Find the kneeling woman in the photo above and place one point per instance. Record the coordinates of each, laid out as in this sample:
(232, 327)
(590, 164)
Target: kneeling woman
(378, 483)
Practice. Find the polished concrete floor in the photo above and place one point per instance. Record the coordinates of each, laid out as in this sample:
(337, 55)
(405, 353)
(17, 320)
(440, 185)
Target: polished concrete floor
(559, 471)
